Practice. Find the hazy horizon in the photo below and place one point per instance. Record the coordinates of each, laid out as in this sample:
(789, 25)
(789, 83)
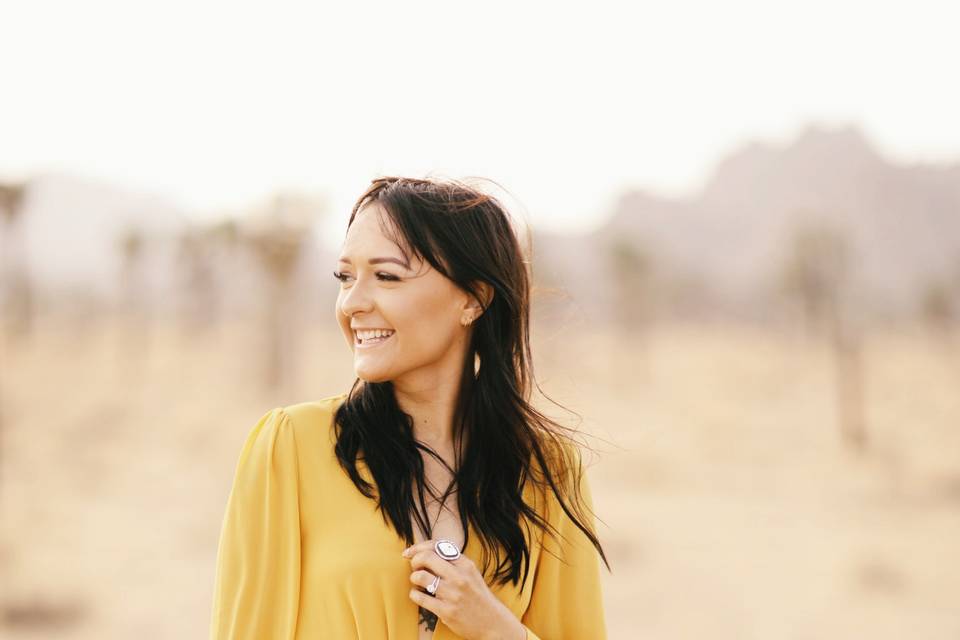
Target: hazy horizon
(216, 107)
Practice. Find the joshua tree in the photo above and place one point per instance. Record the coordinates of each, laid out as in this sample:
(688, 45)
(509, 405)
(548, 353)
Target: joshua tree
(939, 312)
(131, 246)
(938, 309)
(226, 235)
(632, 267)
(278, 250)
(132, 336)
(15, 301)
(279, 245)
(198, 287)
(632, 270)
(816, 271)
(15, 292)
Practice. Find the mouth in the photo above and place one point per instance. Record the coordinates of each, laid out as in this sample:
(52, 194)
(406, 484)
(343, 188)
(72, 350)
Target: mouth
(370, 343)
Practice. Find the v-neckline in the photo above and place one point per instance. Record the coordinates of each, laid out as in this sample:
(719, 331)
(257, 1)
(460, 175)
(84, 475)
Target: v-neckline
(472, 551)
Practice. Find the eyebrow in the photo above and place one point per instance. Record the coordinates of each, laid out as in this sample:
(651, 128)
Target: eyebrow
(381, 260)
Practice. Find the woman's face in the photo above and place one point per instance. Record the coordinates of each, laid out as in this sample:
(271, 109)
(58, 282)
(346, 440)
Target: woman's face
(418, 306)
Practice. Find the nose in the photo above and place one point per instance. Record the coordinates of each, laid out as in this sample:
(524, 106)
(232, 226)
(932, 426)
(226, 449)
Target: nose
(355, 300)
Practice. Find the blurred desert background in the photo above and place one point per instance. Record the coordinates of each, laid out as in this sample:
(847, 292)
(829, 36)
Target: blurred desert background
(764, 357)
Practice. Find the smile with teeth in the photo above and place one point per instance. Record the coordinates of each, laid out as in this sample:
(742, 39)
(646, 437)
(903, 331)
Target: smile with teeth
(371, 337)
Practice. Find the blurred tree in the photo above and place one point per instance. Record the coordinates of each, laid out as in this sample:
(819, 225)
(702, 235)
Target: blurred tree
(131, 246)
(197, 285)
(16, 294)
(278, 249)
(632, 274)
(633, 270)
(16, 307)
(937, 307)
(817, 271)
(132, 335)
(849, 381)
(226, 235)
(938, 313)
(815, 268)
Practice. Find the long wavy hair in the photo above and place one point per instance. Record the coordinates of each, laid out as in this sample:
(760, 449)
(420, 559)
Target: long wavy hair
(465, 234)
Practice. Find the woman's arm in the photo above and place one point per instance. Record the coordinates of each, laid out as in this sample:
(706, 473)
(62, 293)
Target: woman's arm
(257, 586)
(567, 601)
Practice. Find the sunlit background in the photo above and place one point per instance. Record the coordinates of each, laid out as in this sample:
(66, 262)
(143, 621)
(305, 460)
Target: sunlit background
(746, 244)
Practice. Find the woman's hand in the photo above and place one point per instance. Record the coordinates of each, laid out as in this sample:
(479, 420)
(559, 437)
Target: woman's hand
(463, 601)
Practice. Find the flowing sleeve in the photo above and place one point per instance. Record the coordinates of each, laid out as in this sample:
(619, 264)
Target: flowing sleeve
(566, 601)
(257, 584)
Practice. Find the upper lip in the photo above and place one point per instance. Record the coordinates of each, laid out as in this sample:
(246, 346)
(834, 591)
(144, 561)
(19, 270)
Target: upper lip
(370, 328)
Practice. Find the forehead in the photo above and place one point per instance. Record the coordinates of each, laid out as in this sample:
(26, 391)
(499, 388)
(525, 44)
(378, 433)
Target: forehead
(371, 231)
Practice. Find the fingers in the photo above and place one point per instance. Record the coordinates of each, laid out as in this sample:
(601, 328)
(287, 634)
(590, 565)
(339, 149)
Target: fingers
(422, 578)
(420, 546)
(436, 565)
(426, 564)
(424, 554)
(409, 551)
(415, 548)
(430, 603)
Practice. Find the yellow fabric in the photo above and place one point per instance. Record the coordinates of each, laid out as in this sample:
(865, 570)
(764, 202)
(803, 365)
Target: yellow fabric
(303, 554)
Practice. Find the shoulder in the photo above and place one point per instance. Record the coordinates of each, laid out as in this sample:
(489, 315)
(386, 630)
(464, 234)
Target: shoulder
(298, 422)
(311, 420)
(285, 434)
(309, 409)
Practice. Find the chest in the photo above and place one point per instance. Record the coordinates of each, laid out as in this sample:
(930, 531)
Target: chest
(351, 564)
(442, 510)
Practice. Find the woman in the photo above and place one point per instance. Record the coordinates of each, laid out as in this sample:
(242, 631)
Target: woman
(431, 500)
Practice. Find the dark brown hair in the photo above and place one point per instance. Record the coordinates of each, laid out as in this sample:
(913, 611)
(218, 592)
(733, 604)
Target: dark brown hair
(466, 236)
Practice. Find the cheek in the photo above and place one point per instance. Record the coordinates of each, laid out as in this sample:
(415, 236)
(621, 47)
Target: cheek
(343, 322)
(428, 330)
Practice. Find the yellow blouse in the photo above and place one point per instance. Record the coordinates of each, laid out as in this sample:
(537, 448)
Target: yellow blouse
(303, 554)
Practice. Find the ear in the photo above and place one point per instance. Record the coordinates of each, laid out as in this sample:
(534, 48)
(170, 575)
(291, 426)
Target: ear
(472, 309)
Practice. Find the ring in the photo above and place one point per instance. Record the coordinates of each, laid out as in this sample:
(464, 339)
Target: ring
(432, 587)
(446, 549)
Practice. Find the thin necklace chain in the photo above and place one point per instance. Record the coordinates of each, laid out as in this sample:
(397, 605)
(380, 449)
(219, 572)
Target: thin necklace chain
(448, 493)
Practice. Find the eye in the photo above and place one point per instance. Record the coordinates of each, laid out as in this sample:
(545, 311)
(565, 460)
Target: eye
(382, 275)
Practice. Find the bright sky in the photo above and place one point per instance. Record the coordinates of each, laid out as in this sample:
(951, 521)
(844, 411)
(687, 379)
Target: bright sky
(217, 104)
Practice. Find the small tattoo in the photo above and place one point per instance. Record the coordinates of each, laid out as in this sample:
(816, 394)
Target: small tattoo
(429, 618)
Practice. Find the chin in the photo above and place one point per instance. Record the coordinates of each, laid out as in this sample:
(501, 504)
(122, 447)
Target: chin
(372, 376)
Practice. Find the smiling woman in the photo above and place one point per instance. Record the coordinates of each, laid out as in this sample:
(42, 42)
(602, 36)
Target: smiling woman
(352, 516)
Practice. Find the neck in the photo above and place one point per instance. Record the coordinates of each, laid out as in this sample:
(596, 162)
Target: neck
(429, 396)
(432, 409)
(432, 417)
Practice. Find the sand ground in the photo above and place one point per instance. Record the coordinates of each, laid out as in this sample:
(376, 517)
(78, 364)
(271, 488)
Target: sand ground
(729, 506)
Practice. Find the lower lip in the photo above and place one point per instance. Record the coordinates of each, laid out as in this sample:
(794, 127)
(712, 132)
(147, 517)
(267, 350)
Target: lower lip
(372, 345)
